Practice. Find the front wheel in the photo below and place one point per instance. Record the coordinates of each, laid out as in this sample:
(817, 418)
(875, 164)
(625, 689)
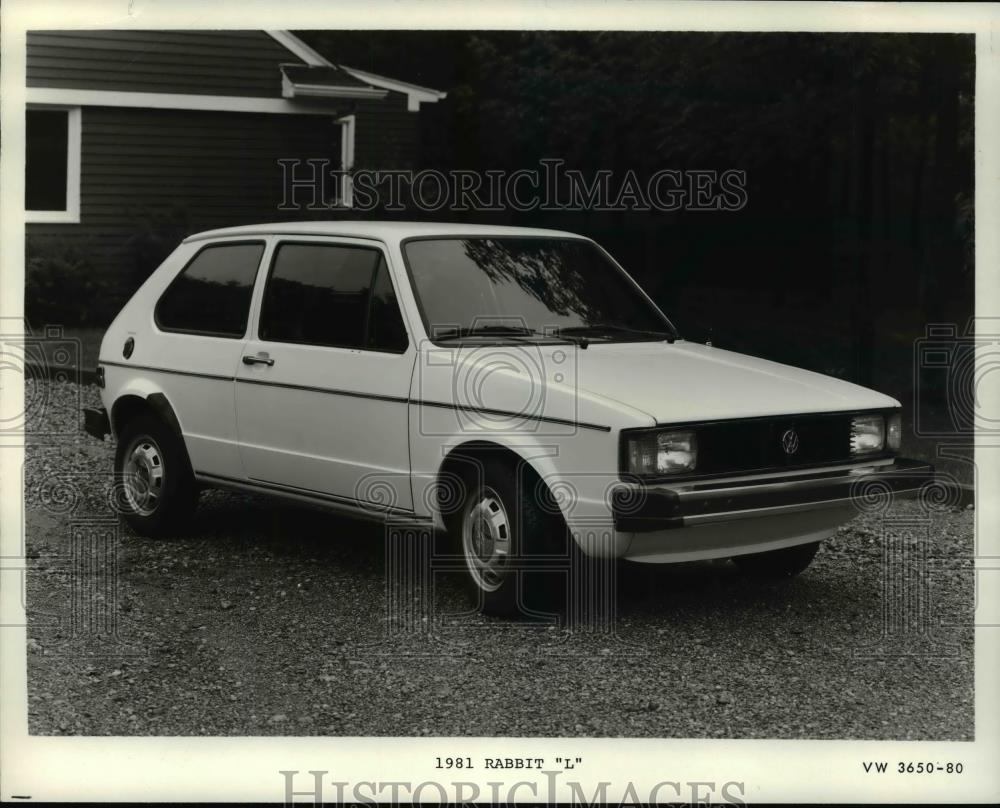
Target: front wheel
(784, 563)
(498, 529)
(158, 492)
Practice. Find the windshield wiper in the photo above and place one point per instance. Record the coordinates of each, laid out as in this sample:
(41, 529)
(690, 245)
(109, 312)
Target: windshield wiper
(598, 328)
(490, 331)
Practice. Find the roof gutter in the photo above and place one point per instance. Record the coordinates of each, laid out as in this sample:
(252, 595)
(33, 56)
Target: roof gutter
(290, 89)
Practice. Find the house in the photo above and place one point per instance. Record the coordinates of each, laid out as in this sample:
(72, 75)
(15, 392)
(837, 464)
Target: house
(136, 138)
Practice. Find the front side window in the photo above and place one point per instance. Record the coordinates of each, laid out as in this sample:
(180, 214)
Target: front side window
(331, 295)
(533, 286)
(212, 293)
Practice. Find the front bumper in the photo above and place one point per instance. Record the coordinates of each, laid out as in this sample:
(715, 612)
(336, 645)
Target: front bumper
(643, 509)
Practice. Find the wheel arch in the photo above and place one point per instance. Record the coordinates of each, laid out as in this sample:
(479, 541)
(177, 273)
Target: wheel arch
(448, 488)
(134, 403)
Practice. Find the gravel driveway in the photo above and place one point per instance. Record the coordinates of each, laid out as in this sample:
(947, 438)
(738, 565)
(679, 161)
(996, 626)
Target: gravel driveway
(271, 620)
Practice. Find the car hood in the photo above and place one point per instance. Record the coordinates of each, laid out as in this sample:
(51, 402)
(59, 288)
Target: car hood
(686, 381)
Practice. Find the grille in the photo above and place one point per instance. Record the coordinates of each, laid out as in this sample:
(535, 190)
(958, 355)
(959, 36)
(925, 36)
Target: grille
(751, 445)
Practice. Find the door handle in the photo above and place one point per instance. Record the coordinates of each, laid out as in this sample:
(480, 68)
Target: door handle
(263, 359)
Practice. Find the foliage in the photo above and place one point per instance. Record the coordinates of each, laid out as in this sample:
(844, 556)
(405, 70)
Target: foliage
(62, 286)
(857, 148)
(157, 233)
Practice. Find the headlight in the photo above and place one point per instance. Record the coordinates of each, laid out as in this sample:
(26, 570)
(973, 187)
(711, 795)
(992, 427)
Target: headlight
(867, 434)
(662, 452)
(894, 431)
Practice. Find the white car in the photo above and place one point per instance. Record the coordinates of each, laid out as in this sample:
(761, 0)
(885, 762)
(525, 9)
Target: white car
(513, 387)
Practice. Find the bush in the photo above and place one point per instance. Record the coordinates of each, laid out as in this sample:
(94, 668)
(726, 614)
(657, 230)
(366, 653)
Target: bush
(156, 234)
(62, 287)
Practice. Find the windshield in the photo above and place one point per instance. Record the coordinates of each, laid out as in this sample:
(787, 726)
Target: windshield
(527, 287)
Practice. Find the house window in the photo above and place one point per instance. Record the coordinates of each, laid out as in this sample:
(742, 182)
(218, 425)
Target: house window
(52, 164)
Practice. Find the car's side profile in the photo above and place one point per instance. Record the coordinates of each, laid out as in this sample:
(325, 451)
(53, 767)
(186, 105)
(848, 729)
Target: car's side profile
(513, 387)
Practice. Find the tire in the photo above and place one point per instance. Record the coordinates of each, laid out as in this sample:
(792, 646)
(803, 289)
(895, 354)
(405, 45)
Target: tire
(497, 529)
(784, 563)
(157, 488)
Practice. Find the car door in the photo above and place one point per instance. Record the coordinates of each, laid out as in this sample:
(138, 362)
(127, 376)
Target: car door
(200, 321)
(323, 386)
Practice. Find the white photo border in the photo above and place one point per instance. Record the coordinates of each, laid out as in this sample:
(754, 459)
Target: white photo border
(244, 769)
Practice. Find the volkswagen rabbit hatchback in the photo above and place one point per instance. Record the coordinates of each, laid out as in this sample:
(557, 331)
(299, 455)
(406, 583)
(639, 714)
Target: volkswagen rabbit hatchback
(511, 388)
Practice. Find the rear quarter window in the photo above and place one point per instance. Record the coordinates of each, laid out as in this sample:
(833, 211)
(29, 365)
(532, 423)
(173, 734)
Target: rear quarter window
(211, 295)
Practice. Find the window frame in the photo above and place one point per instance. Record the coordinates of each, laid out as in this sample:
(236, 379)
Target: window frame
(313, 242)
(261, 242)
(74, 140)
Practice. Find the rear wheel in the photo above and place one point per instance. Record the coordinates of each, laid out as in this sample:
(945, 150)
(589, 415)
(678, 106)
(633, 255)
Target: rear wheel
(784, 563)
(157, 488)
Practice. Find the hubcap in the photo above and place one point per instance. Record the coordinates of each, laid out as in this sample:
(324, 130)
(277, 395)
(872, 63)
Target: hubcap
(486, 540)
(143, 474)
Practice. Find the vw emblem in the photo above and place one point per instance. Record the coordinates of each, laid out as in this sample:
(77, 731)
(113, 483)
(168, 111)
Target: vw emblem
(790, 441)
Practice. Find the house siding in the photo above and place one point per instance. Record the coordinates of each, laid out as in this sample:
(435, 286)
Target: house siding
(150, 177)
(241, 63)
(387, 136)
(182, 171)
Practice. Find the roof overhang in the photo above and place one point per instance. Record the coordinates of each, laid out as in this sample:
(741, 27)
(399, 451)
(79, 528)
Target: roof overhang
(58, 96)
(415, 94)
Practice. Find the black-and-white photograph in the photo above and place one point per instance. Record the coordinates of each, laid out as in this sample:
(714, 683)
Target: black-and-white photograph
(483, 383)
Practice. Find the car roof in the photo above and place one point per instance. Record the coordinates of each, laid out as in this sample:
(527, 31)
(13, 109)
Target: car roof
(384, 231)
